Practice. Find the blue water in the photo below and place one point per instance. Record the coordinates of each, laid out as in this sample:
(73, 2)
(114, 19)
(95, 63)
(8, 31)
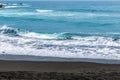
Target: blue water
(71, 29)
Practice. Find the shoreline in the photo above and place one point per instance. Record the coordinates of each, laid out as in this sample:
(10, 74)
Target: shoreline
(56, 59)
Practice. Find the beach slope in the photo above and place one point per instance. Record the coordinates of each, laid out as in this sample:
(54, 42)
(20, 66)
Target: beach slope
(36, 70)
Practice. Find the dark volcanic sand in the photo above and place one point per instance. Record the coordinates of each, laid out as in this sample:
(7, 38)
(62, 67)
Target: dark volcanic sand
(33, 70)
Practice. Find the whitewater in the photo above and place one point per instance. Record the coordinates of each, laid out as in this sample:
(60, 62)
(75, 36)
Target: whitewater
(57, 45)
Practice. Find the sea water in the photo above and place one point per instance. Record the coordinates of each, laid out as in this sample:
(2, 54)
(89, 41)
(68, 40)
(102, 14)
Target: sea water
(64, 29)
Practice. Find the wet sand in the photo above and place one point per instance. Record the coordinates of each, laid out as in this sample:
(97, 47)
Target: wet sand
(41, 70)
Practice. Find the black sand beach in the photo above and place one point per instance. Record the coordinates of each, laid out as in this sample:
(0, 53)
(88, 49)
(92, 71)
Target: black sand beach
(36, 70)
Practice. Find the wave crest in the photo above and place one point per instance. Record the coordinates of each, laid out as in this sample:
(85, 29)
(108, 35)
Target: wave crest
(61, 36)
(44, 11)
(8, 31)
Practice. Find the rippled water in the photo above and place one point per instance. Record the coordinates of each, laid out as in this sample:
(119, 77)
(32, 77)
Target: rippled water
(61, 29)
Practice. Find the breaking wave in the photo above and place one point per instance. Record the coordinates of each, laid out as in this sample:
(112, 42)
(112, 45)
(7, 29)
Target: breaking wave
(8, 31)
(14, 6)
(66, 45)
(44, 11)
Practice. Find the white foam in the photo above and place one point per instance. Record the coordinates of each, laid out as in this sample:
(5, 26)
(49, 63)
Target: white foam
(44, 11)
(48, 45)
(99, 48)
(11, 6)
(40, 36)
(15, 6)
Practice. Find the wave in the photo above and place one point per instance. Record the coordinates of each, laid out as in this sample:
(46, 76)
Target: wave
(11, 6)
(64, 35)
(52, 14)
(67, 45)
(15, 6)
(8, 31)
(44, 11)
(72, 13)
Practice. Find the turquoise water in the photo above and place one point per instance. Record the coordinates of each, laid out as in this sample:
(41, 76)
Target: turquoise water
(61, 29)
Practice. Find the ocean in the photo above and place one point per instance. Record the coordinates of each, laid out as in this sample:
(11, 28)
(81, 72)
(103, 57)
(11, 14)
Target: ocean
(61, 29)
